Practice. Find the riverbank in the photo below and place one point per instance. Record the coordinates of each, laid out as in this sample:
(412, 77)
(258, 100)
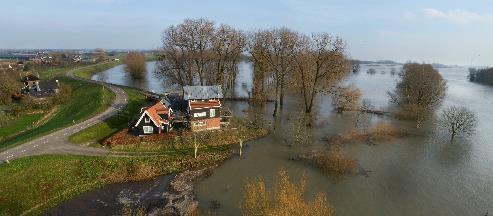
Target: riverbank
(56, 178)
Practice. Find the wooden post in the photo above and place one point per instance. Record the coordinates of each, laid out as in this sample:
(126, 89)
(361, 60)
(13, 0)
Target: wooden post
(195, 144)
(241, 146)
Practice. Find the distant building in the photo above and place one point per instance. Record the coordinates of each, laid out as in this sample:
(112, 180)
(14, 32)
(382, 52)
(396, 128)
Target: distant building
(36, 88)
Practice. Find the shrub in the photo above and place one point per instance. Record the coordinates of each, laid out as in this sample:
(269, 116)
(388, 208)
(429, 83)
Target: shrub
(286, 199)
(136, 65)
(421, 88)
(383, 131)
(335, 161)
(346, 99)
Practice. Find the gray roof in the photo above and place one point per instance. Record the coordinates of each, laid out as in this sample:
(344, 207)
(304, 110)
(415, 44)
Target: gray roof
(202, 92)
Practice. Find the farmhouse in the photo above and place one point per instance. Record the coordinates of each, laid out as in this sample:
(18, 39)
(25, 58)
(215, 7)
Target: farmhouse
(36, 88)
(153, 120)
(204, 107)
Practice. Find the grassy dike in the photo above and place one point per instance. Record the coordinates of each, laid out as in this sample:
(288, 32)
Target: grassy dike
(87, 72)
(87, 100)
(98, 132)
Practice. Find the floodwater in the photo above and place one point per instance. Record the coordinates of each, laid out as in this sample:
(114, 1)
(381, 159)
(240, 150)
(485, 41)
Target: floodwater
(418, 175)
(115, 198)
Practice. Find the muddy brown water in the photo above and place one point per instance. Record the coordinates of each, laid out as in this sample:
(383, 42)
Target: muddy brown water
(114, 198)
(418, 175)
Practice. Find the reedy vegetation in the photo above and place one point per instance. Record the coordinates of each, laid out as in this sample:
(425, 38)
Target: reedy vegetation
(286, 199)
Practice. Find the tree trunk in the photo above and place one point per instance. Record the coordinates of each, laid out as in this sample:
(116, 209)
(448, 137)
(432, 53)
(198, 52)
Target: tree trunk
(281, 100)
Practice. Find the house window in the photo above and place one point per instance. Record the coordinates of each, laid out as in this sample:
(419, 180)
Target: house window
(199, 124)
(147, 120)
(213, 113)
(200, 114)
(148, 129)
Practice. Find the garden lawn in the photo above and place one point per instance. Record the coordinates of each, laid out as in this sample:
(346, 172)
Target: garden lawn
(113, 124)
(19, 124)
(87, 100)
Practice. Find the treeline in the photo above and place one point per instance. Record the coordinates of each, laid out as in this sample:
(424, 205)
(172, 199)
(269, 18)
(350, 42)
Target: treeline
(198, 52)
(484, 75)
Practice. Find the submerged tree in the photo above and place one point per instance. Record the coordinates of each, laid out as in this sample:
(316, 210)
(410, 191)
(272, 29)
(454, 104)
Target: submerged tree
(420, 90)
(355, 66)
(136, 65)
(274, 50)
(320, 62)
(196, 52)
(286, 199)
(457, 121)
(346, 99)
(420, 85)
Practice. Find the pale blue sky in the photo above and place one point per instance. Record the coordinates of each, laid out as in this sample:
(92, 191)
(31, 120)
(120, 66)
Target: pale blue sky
(445, 31)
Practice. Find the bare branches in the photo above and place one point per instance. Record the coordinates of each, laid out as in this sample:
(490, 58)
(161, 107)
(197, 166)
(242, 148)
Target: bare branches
(320, 62)
(457, 121)
(196, 52)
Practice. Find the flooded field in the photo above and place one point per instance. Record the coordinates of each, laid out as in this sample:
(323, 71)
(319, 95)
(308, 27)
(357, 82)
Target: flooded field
(418, 175)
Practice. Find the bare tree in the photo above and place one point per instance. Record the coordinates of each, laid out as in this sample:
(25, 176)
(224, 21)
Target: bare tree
(258, 43)
(457, 121)
(371, 71)
(355, 65)
(320, 63)
(186, 52)
(274, 50)
(228, 44)
(196, 52)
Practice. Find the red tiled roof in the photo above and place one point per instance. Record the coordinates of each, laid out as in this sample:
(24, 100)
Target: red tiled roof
(204, 104)
(158, 109)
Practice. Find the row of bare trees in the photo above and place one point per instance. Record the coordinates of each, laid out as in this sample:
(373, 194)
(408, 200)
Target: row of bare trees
(198, 52)
(308, 64)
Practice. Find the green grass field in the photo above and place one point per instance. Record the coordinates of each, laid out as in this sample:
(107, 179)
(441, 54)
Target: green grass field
(19, 124)
(87, 72)
(52, 72)
(115, 123)
(87, 100)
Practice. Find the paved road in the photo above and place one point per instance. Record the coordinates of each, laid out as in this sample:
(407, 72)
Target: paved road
(57, 142)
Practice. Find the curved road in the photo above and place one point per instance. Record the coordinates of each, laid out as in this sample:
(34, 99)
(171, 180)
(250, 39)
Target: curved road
(57, 142)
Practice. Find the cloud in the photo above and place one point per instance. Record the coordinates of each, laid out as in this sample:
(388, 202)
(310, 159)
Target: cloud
(457, 16)
(409, 15)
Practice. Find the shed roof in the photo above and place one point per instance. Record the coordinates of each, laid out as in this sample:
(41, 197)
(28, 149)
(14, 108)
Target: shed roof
(202, 92)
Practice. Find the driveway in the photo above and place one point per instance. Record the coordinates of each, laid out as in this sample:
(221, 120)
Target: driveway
(57, 142)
